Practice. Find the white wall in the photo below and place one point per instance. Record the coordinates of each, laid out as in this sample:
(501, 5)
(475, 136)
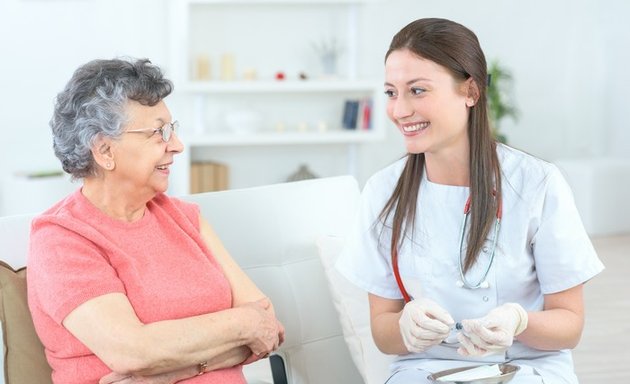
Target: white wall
(616, 40)
(568, 57)
(41, 43)
(559, 53)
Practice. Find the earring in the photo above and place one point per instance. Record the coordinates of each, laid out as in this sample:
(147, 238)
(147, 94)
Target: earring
(108, 165)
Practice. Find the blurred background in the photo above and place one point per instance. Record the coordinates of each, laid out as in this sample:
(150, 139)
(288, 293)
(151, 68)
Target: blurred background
(273, 90)
(262, 87)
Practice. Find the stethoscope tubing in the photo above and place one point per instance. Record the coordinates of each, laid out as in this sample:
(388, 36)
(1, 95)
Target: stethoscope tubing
(464, 281)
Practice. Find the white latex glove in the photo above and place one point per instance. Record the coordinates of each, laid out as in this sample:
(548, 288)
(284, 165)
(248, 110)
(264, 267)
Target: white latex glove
(424, 323)
(493, 333)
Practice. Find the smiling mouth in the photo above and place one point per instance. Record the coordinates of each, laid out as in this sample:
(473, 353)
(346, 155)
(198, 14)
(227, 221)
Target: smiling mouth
(162, 167)
(415, 127)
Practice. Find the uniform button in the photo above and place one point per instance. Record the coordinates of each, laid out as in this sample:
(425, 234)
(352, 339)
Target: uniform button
(486, 298)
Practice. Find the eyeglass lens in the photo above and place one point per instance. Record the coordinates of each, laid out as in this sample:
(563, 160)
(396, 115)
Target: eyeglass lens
(167, 130)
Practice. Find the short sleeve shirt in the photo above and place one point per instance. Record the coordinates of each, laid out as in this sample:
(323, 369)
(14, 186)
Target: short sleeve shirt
(160, 262)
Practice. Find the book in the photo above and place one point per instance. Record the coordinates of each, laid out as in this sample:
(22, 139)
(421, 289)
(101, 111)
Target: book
(366, 115)
(357, 114)
(208, 176)
(349, 114)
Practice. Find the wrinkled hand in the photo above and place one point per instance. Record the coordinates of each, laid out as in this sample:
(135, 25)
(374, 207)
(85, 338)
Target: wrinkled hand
(493, 333)
(254, 357)
(423, 324)
(268, 332)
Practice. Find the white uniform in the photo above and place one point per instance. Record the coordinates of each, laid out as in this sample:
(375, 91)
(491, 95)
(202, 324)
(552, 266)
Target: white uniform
(542, 248)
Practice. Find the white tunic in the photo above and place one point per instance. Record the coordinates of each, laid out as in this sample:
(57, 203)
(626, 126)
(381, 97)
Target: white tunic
(542, 248)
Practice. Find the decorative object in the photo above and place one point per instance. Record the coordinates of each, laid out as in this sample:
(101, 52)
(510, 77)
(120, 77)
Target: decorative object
(250, 74)
(500, 103)
(280, 75)
(202, 68)
(303, 76)
(328, 51)
(228, 68)
(303, 173)
(302, 126)
(243, 121)
(281, 126)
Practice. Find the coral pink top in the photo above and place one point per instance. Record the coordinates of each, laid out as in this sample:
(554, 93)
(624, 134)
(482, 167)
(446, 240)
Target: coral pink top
(159, 262)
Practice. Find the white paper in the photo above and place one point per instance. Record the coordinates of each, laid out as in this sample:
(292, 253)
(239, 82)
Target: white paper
(477, 373)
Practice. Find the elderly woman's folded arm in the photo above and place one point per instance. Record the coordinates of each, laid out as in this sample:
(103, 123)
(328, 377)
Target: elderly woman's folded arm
(108, 326)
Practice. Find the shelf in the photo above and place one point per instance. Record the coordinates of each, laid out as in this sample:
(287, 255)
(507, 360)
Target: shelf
(272, 2)
(306, 86)
(198, 29)
(282, 138)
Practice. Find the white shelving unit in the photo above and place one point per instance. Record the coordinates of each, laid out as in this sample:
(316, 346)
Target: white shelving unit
(202, 87)
(281, 138)
(318, 100)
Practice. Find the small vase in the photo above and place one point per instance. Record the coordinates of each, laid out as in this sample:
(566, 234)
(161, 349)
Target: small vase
(329, 64)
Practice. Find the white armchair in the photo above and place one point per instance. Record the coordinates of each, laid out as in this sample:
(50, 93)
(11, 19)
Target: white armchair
(273, 232)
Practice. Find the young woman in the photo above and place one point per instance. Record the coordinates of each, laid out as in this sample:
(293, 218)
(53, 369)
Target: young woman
(470, 250)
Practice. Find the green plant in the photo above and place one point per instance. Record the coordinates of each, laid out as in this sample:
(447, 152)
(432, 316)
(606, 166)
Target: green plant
(500, 103)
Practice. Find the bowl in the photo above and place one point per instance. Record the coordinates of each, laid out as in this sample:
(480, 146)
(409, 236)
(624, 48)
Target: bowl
(508, 372)
(243, 122)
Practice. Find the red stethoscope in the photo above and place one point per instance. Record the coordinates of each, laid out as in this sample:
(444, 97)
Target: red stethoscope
(463, 282)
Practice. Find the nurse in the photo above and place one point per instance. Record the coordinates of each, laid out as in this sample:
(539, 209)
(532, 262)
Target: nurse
(471, 251)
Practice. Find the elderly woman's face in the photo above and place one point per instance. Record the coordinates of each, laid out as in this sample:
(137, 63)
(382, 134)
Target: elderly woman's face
(143, 159)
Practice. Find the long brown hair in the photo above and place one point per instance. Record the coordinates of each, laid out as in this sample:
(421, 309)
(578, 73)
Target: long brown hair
(457, 49)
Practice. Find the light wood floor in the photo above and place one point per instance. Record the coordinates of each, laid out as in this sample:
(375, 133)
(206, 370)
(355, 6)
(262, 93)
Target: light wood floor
(603, 355)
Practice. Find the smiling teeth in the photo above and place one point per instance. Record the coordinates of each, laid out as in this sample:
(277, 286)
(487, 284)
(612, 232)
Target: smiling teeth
(415, 127)
(162, 167)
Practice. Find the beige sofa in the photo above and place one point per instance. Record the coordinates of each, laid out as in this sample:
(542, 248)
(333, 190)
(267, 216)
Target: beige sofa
(286, 237)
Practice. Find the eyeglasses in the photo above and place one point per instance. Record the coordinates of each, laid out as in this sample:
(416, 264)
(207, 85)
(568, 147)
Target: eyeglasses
(166, 131)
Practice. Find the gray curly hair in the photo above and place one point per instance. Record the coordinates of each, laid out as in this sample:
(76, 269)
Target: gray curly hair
(93, 103)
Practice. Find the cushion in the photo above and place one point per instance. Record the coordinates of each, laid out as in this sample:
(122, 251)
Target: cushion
(24, 359)
(352, 306)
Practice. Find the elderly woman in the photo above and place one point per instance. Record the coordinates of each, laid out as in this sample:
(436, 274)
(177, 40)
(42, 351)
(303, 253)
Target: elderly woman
(125, 283)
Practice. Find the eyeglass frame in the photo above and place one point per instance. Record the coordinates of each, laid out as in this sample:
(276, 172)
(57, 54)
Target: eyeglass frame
(166, 129)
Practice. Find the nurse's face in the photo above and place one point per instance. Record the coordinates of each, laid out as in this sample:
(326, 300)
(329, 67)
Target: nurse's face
(427, 104)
